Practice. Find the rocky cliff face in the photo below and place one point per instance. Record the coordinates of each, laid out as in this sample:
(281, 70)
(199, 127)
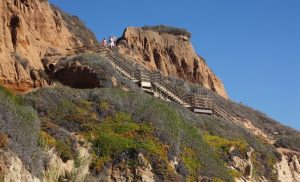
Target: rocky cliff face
(30, 29)
(112, 135)
(289, 166)
(172, 54)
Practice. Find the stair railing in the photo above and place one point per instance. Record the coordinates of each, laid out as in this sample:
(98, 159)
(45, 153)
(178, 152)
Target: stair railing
(183, 96)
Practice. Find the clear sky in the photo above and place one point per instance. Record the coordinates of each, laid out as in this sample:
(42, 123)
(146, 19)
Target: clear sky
(253, 46)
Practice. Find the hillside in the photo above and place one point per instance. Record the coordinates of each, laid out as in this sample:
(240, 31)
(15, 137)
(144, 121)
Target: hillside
(149, 109)
(109, 133)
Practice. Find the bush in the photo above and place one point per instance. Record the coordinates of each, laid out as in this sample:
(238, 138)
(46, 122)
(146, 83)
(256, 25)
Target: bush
(103, 105)
(3, 141)
(131, 124)
(64, 151)
(290, 142)
(168, 30)
(222, 146)
(120, 133)
(267, 169)
(46, 141)
(135, 120)
(191, 161)
(21, 124)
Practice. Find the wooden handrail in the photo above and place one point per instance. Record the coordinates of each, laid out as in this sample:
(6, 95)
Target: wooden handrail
(155, 77)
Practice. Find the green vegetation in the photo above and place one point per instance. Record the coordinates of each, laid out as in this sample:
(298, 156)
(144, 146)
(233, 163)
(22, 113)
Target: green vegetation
(115, 122)
(235, 173)
(77, 116)
(268, 160)
(120, 133)
(189, 157)
(291, 142)
(223, 146)
(217, 180)
(46, 141)
(168, 30)
(10, 95)
(19, 125)
(103, 105)
(64, 150)
(120, 123)
(285, 137)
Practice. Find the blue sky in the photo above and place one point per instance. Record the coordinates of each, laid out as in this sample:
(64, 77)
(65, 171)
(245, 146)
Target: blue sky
(253, 46)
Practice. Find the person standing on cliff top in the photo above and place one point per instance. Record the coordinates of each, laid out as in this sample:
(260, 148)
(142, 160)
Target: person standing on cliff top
(115, 40)
(111, 42)
(104, 42)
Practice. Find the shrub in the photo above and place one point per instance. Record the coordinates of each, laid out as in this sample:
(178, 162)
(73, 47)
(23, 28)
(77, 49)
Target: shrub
(103, 105)
(263, 164)
(144, 123)
(3, 140)
(168, 30)
(10, 95)
(21, 124)
(291, 142)
(222, 146)
(46, 140)
(215, 179)
(64, 151)
(191, 162)
(120, 133)
(235, 173)
(164, 129)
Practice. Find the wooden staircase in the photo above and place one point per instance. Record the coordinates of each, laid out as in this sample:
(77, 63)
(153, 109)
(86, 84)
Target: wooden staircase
(156, 84)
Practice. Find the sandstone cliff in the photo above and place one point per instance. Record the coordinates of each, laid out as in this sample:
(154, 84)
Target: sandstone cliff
(112, 135)
(289, 166)
(172, 54)
(29, 29)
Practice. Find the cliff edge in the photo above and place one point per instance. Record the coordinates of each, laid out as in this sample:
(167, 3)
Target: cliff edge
(29, 30)
(169, 50)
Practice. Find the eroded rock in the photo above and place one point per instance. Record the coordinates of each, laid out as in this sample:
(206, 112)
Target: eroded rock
(288, 167)
(173, 55)
(28, 29)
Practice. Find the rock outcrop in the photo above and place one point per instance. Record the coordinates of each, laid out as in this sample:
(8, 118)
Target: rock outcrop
(29, 28)
(85, 71)
(12, 168)
(289, 166)
(172, 54)
(121, 170)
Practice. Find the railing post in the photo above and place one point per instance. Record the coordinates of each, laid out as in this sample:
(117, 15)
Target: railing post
(160, 78)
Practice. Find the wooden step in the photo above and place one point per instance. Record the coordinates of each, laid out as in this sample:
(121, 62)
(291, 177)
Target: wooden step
(163, 86)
